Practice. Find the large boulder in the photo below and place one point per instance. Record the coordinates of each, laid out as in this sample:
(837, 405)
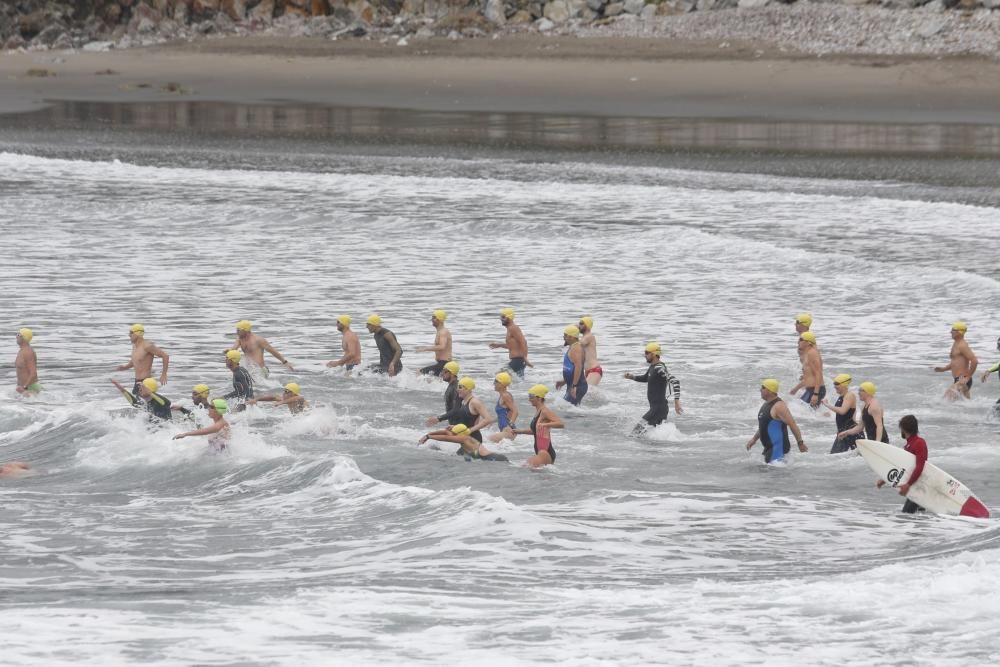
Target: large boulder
(557, 11)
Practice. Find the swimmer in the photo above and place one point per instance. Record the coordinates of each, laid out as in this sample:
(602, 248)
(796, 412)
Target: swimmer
(292, 397)
(908, 430)
(452, 401)
(199, 397)
(995, 368)
(872, 416)
(242, 382)
(812, 371)
(389, 351)
(156, 405)
(254, 347)
(962, 365)
(773, 421)
(350, 345)
(441, 347)
(26, 364)
(658, 379)
(541, 426)
(506, 408)
(14, 469)
(515, 343)
(588, 342)
(218, 430)
(573, 377)
(143, 352)
(843, 413)
(472, 412)
(471, 448)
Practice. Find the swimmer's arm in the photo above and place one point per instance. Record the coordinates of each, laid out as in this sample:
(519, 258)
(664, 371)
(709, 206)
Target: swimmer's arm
(181, 409)
(164, 357)
(551, 420)
(446, 436)
(973, 363)
(992, 369)
(638, 378)
(125, 367)
(784, 414)
(274, 353)
(125, 392)
(254, 401)
(796, 388)
(208, 430)
(512, 407)
(397, 351)
(753, 441)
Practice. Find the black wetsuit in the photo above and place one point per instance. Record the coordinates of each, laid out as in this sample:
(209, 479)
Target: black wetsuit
(452, 404)
(156, 405)
(657, 379)
(773, 434)
(869, 423)
(844, 423)
(466, 417)
(242, 388)
(385, 351)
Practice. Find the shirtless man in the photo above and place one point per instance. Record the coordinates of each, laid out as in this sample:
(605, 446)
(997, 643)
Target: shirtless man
(962, 365)
(291, 396)
(812, 370)
(349, 344)
(441, 347)
(253, 347)
(26, 364)
(514, 343)
(141, 360)
(588, 342)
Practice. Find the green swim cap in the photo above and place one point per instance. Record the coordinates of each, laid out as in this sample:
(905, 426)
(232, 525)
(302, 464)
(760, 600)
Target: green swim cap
(220, 406)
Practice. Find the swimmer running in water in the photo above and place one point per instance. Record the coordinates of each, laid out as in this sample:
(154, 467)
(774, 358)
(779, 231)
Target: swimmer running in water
(441, 347)
(573, 376)
(242, 381)
(506, 408)
(588, 342)
(218, 431)
(872, 416)
(254, 347)
(658, 379)
(389, 351)
(843, 413)
(156, 405)
(452, 402)
(26, 364)
(541, 426)
(471, 448)
(143, 352)
(292, 397)
(773, 421)
(515, 343)
(812, 371)
(962, 363)
(350, 345)
(199, 397)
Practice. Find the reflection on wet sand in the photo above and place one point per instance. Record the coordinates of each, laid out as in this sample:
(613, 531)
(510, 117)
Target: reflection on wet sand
(518, 129)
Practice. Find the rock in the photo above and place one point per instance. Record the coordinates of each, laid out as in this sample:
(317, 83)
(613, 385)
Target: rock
(557, 11)
(223, 23)
(648, 12)
(63, 42)
(205, 28)
(936, 6)
(753, 4)
(587, 15)
(520, 17)
(402, 42)
(614, 9)
(932, 27)
(424, 33)
(235, 9)
(544, 25)
(991, 4)
(32, 24)
(672, 7)
(264, 11)
(495, 13)
(49, 35)
(14, 42)
(596, 4)
(535, 9)
(634, 6)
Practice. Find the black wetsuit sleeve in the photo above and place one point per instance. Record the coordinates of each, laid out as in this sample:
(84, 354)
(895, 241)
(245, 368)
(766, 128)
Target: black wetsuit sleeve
(642, 378)
(451, 414)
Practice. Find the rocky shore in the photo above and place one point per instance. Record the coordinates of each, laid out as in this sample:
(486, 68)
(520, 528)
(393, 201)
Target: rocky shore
(888, 27)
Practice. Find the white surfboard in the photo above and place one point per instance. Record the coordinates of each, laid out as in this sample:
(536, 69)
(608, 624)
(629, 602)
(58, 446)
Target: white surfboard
(936, 491)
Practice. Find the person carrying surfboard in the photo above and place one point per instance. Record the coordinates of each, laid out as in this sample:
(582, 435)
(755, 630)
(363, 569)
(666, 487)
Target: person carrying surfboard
(908, 429)
(773, 422)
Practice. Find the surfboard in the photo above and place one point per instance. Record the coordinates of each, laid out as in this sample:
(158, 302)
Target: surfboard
(936, 491)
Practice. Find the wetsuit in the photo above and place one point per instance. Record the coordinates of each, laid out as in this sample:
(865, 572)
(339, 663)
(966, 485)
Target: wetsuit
(569, 368)
(433, 369)
(995, 368)
(869, 423)
(242, 388)
(157, 406)
(385, 351)
(517, 364)
(543, 439)
(503, 416)
(463, 415)
(773, 434)
(452, 404)
(844, 423)
(657, 379)
(918, 447)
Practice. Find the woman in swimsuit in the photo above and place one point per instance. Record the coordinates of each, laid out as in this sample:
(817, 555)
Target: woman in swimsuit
(872, 416)
(218, 430)
(541, 425)
(844, 408)
(506, 408)
(470, 447)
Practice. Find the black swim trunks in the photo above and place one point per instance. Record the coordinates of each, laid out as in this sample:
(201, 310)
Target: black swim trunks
(517, 365)
(435, 368)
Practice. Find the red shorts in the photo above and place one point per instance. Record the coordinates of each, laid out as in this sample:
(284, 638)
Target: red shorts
(595, 369)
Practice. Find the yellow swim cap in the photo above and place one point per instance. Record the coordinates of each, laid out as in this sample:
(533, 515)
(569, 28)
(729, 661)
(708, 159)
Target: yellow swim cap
(588, 321)
(374, 320)
(234, 355)
(459, 429)
(137, 329)
(452, 367)
(440, 315)
(27, 334)
(960, 326)
(508, 313)
(804, 319)
(220, 406)
(808, 336)
(151, 384)
(199, 389)
(538, 391)
(294, 388)
(243, 325)
(504, 378)
(770, 384)
(653, 347)
(843, 378)
(868, 387)
(345, 320)
(467, 383)
(572, 331)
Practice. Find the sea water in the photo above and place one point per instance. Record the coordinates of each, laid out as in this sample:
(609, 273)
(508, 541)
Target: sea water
(333, 538)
